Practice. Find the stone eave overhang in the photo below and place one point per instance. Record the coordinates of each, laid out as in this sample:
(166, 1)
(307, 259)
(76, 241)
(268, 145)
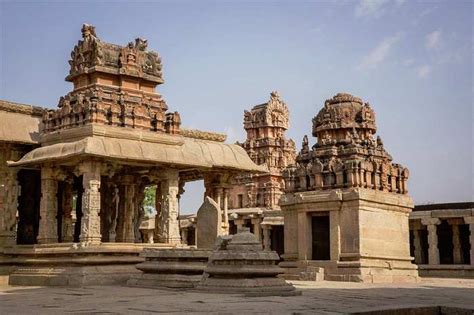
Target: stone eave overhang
(128, 145)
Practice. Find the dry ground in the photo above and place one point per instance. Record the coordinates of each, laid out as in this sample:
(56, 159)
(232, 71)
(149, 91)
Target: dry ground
(318, 298)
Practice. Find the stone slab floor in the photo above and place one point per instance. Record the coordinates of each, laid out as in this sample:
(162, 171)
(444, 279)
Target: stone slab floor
(318, 298)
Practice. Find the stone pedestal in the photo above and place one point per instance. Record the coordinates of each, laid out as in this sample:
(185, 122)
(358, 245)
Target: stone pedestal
(170, 268)
(241, 266)
(48, 229)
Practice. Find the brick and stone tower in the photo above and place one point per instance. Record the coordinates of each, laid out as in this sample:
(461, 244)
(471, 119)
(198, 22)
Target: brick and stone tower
(255, 197)
(113, 85)
(266, 145)
(346, 202)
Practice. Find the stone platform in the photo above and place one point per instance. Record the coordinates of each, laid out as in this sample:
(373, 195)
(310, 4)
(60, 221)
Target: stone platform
(323, 297)
(240, 265)
(69, 264)
(171, 268)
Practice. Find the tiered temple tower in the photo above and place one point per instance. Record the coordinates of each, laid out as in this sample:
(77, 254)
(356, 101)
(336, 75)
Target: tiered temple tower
(113, 85)
(346, 204)
(266, 144)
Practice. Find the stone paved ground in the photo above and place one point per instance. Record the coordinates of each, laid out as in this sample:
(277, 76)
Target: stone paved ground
(318, 297)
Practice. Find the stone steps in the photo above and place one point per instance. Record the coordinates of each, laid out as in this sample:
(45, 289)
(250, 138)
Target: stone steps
(307, 273)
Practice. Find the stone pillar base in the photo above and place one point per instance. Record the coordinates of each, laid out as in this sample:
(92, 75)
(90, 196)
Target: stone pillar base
(375, 271)
(7, 238)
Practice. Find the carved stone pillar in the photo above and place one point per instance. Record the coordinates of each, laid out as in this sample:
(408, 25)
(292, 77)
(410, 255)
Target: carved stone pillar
(139, 211)
(433, 251)
(9, 190)
(219, 192)
(184, 236)
(225, 214)
(128, 231)
(470, 221)
(169, 207)
(417, 246)
(267, 242)
(239, 223)
(113, 215)
(256, 228)
(90, 223)
(457, 249)
(68, 226)
(47, 232)
(158, 235)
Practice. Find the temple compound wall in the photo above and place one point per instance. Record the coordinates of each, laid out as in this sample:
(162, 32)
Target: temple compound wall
(346, 205)
(442, 239)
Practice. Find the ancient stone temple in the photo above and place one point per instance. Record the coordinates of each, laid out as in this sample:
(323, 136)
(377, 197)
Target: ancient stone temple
(346, 205)
(255, 197)
(107, 140)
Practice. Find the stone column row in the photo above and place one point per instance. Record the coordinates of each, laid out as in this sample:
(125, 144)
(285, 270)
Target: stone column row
(90, 222)
(433, 251)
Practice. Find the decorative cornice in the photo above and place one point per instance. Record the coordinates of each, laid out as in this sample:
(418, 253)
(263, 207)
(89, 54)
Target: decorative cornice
(21, 108)
(203, 135)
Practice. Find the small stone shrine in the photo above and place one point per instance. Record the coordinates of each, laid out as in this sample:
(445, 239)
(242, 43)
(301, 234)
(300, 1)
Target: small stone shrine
(240, 265)
(346, 205)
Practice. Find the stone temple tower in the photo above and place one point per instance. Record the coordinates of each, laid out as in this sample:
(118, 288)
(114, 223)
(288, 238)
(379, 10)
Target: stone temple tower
(255, 197)
(266, 144)
(346, 205)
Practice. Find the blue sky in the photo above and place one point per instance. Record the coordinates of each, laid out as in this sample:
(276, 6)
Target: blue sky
(411, 60)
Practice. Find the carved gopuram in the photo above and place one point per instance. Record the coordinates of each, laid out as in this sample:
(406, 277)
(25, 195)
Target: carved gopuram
(254, 198)
(109, 138)
(346, 205)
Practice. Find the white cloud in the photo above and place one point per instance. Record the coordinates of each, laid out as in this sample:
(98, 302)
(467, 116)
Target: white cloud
(433, 40)
(423, 71)
(374, 8)
(379, 53)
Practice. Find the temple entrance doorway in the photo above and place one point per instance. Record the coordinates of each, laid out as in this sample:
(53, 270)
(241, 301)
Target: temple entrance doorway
(277, 239)
(320, 237)
(28, 206)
